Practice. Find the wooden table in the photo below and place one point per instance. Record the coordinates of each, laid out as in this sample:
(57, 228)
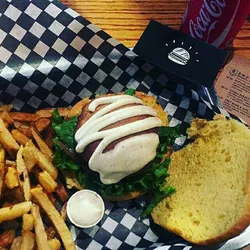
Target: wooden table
(125, 20)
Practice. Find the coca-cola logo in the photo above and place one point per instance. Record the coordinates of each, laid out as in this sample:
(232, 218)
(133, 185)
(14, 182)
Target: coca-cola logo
(207, 18)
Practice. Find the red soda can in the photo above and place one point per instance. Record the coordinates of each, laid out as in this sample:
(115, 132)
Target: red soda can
(216, 22)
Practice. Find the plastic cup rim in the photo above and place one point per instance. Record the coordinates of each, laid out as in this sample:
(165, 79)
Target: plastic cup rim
(68, 209)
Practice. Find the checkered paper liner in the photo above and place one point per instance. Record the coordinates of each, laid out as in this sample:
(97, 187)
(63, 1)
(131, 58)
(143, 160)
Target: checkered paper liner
(52, 57)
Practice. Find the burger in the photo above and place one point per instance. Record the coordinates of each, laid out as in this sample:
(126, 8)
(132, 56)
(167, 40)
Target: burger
(121, 146)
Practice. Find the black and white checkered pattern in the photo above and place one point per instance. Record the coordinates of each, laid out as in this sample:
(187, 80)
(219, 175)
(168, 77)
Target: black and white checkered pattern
(51, 56)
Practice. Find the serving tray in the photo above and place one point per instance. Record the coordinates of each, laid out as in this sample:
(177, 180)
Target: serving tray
(50, 56)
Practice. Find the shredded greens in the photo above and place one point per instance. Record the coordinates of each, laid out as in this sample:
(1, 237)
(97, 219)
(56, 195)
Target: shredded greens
(130, 92)
(64, 129)
(61, 160)
(152, 178)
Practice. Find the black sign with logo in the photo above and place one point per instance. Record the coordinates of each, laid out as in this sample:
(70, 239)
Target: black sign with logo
(184, 58)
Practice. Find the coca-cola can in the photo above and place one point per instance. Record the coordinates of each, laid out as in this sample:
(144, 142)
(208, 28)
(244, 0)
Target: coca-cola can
(216, 22)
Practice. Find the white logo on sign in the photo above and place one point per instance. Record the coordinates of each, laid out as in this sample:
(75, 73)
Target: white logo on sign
(179, 56)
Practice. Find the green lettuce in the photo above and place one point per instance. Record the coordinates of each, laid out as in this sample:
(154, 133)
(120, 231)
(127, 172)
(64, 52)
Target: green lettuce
(64, 129)
(61, 160)
(130, 92)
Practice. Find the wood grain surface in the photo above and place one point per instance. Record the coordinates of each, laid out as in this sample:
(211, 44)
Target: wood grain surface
(125, 20)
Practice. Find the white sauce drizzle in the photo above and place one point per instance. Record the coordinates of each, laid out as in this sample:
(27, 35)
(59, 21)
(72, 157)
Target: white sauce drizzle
(128, 156)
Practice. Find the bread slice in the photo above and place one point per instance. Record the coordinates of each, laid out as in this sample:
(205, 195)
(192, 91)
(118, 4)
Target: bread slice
(211, 176)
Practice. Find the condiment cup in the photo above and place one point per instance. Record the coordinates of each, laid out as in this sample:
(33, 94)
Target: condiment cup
(85, 208)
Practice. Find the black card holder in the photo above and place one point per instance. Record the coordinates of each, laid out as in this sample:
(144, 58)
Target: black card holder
(184, 59)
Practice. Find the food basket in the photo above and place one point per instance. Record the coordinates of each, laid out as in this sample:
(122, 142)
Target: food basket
(50, 56)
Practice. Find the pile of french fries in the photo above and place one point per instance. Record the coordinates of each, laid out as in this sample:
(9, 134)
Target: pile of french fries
(29, 185)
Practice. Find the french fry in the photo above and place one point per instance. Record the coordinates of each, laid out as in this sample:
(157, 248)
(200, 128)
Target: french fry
(24, 117)
(51, 198)
(42, 124)
(18, 124)
(7, 119)
(15, 211)
(19, 136)
(41, 160)
(28, 133)
(7, 238)
(23, 175)
(28, 240)
(29, 156)
(28, 222)
(7, 140)
(6, 108)
(9, 163)
(63, 111)
(45, 164)
(71, 179)
(54, 244)
(47, 182)
(76, 110)
(42, 144)
(2, 169)
(41, 236)
(16, 245)
(41, 198)
(51, 232)
(61, 192)
(47, 113)
(24, 129)
(11, 178)
(64, 211)
(49, 137)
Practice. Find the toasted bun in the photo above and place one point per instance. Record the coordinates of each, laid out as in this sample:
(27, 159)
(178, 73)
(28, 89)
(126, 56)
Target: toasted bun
(212, 181)
(152, 102)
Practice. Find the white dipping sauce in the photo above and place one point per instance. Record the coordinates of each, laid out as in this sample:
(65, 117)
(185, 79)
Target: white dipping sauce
(85, 208)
